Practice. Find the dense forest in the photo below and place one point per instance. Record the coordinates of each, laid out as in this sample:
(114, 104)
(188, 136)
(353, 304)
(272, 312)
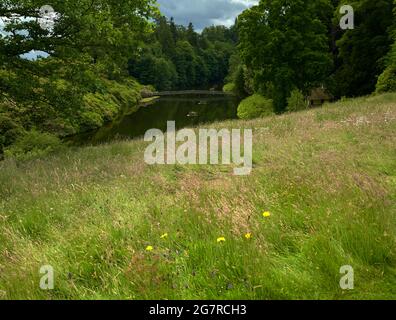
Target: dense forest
(176, 57)
(102, 54)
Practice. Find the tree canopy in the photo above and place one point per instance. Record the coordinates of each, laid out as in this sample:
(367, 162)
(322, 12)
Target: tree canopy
(285, 43)
(300, 45)
(362, 50)
(188, 59)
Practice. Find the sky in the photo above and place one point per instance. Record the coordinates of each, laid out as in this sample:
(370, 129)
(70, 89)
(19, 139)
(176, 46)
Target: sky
(203, 13)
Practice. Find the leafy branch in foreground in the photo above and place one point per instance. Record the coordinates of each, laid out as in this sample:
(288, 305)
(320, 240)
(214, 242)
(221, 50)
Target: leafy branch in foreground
(88, 45)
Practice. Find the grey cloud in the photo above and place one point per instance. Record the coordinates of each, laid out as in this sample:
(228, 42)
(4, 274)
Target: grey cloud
(204, 13)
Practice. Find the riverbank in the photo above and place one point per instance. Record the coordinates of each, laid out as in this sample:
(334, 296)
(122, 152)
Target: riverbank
(27, 130)
(326, 177)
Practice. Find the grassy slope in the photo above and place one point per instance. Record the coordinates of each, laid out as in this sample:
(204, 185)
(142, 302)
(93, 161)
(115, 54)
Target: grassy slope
(328, 176)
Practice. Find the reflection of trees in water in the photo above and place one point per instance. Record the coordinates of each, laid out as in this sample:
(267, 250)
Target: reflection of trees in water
(156, 115)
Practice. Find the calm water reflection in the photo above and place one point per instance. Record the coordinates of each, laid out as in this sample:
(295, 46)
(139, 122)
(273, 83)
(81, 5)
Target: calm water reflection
(186, 111)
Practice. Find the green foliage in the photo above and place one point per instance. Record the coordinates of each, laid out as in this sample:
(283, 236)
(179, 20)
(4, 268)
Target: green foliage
(152, 70)
(33, 144)
(387, 80)
(93, 110)
(229, 87)
(255, 106)
(240, 82)
(363, 49)
(92, 28)
(176, 57)
(186, 64)
(296, 101)
(82, 83)
(91, 120)
(105, 106)
(239, 75)
(10, 130)
(315, 51)
(285, 42)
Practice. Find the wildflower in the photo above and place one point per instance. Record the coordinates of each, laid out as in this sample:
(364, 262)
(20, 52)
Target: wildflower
(248, 236)
(164, 236)
(149, 248)
(221, 239)
(266, 214)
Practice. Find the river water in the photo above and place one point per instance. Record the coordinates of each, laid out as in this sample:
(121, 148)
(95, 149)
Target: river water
(186, 111)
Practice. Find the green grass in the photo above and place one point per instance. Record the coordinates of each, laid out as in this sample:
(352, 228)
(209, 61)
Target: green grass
(328, 176)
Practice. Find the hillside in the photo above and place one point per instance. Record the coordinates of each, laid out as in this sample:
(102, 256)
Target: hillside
(327, 176)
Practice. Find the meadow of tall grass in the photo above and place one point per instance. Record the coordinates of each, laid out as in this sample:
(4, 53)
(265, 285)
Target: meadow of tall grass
(114, 227)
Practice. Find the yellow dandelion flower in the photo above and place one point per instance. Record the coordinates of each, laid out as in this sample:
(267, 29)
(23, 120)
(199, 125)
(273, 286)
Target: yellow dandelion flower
(149, 248)
(221, 239)
(248, 236)
(164, 236)
(267, 214)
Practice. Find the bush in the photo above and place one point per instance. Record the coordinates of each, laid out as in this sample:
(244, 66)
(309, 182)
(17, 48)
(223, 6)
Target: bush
(229, 87)
(10, 131)
(91, 121)
(296, 101)
(255, 106)
(33, 144)
(387, 80)
(105, 106)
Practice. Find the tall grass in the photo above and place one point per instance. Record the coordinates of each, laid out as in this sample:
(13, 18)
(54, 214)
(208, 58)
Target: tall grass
(328, 177)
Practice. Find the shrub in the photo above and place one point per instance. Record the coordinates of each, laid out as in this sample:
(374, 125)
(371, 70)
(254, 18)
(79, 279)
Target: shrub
(90, 121)
(105, 106)
(296, 101)
(229, 87)
(10, 131)
(387, 80)
(255, 106)
(33, 144)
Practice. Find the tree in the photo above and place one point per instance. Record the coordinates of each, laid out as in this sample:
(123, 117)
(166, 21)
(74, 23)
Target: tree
(362, 50)
(165, 37)
(82, 82)
(192, 36)
(201, 61)
(285, 43)
(186, 64)
(96, 28)
(173, 29)
(89, 37)
(387, 80)
(153, 70)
